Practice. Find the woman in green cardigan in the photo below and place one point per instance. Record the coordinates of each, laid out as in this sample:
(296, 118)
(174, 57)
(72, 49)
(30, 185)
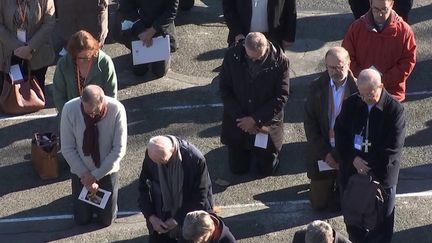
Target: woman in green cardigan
(84, 64)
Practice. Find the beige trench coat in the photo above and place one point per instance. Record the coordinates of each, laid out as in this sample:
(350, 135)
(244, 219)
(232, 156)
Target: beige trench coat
(40, 26)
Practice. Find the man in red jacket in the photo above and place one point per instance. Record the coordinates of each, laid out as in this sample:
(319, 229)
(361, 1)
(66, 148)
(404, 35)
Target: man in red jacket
(381, 40)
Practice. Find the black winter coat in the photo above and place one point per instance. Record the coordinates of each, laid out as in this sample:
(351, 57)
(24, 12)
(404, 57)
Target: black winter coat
(263, 97)
(197, 187)
(160, 14)
(386, 134)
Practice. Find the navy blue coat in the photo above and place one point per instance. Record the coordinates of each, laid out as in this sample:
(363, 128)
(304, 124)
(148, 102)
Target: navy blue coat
(197, 190)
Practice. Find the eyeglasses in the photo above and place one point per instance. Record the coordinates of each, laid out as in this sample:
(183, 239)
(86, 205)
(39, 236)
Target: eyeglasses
(367, 96)
(380, 10)
(84, 58)
(336, 68)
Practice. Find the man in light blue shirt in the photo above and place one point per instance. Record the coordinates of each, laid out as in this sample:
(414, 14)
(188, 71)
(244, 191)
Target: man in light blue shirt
(323, 104)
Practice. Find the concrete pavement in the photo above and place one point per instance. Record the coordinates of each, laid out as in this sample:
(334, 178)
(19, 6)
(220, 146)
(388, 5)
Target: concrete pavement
(190, 85)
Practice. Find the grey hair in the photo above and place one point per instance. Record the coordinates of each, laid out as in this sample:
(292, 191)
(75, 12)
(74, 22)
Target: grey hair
(370, 77)
(197, 224)
(92, 95)
(256, 41)
(318, 232)
(339, 51)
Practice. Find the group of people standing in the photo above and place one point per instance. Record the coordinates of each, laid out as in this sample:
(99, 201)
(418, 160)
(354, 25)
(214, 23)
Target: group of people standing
(354, 121)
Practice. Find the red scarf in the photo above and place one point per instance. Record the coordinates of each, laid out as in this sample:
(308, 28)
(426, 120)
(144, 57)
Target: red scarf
(218, 231)
(91, 135)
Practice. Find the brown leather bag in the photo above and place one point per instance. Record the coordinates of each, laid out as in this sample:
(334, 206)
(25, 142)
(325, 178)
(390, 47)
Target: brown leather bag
(44, 150)
(21, 98)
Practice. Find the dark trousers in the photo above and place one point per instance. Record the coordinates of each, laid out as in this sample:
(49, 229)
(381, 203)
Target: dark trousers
(360, 7)
(83, 212)
(266, 160)
(382, 233)
(324, 194)
(159, 69)
(161, 238)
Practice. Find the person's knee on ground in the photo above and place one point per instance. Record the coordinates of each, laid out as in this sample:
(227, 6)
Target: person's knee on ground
(160, 69)
(106, 219)
(140, 70)
(267, 163)
(82, 218)
(239, 160)
(320, 193)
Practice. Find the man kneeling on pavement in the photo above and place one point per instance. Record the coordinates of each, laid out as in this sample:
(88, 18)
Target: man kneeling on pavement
(174, 180)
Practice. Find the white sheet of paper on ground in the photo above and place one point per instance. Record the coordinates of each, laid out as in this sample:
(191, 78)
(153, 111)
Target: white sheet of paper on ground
(63, 52)
(261, 140)
(323, 166)
(159, 51)
(99, 200)
(15, 74)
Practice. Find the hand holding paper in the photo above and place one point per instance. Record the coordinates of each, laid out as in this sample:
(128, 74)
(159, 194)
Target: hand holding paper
(158, 51)
(147, 36)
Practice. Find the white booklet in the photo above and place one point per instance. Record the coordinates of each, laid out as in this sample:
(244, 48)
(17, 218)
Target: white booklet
(159, 51)
(323, 166)
(98, 199)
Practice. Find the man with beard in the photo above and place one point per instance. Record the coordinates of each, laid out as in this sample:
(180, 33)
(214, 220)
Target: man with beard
(323, 104)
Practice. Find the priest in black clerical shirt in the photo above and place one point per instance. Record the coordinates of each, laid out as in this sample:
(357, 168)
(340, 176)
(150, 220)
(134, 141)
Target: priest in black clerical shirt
(370, 134)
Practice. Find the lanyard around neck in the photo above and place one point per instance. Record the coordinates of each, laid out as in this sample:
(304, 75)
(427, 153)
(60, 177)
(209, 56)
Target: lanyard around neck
(22, 11)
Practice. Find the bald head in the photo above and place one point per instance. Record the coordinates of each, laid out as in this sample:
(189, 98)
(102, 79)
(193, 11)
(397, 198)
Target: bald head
(160, 149)
(370, 86)
(92, 95)
(93, 100)
(369, 77)
(256, 41)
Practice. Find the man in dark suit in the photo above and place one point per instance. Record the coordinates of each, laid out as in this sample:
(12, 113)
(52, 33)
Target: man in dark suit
(254, 87)
(360, 7)
(370, 134)
(323, 104)
(277, 19)
(319, 231)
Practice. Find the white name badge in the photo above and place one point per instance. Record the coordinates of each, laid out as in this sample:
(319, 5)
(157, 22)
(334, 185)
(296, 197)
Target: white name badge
(15, 74)
(358, 140)
(261, 140)
(21, 35)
